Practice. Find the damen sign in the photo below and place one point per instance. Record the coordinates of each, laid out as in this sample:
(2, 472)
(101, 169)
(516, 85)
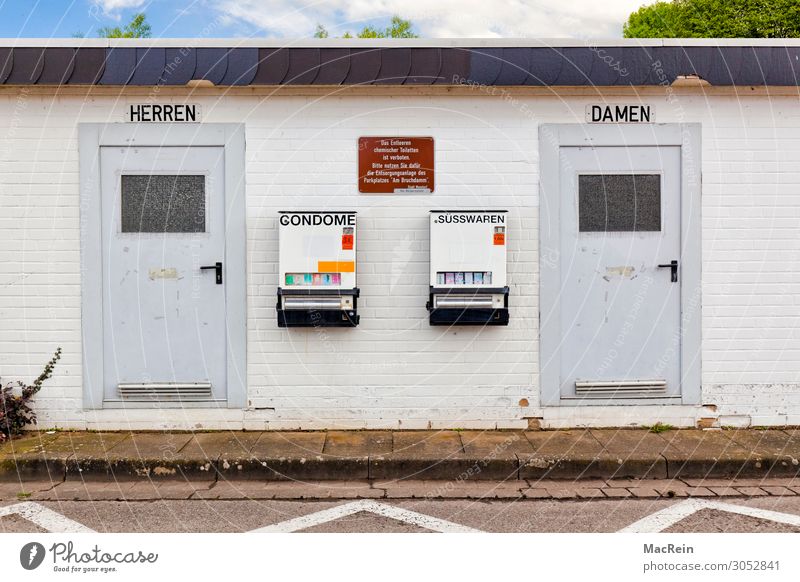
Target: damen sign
(620, 113)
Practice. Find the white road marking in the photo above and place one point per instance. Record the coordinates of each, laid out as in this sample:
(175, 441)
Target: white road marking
(382, 509)
(661, 520)
(45, 518)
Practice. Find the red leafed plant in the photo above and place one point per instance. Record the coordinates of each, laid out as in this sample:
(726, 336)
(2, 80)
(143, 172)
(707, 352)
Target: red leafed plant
(15, 398)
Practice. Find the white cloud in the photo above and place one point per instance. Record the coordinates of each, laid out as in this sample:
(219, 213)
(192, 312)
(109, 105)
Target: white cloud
(437, 18)
(114, 7)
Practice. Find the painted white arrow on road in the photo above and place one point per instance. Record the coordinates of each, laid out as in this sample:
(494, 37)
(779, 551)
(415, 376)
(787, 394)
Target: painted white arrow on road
(661, 520)
(45, 518)
(382, 509)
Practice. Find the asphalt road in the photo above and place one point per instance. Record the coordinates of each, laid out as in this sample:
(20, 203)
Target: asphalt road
(735, 514)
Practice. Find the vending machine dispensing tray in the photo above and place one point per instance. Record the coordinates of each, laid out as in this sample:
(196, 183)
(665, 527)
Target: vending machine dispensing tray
(468, 306)
(317, 308)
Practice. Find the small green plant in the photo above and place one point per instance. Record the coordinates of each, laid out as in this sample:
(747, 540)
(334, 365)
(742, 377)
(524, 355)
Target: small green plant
(23, 495)
(659, 427)
(15, 400)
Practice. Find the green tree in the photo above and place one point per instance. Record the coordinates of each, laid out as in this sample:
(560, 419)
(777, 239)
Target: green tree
(716, 19)
(398, 28)
(136, 28)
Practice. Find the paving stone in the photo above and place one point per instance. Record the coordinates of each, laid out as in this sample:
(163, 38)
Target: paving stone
(346, 454)
(235, 489)
(423, 455)
(44, 455)
(744, 482)
(752, 491)
(563, 493)
(150, 455)
(288, 444)
(495, 444)
(452, 489)
(699, 492)
(282, 455)
(86, 491)
(565, 454)
(344, 443)
(157, 490)
(725, 491)
(586, 493)
(670, 488)
(637, 453)
(23, 491)
(290, 490)
(698, 454)
(617, 492)
(566, 483)
(323, 490)
(778, 491)
(644, 492)
(777, 451)
(212, 446)
(536, 493)
(31, 441)
(430, 444)
(795, 489)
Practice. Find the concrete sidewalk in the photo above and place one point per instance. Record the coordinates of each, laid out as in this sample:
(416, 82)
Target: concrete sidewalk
(410, 455)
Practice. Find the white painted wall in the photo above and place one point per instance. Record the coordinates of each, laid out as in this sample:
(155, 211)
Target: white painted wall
(394, 370)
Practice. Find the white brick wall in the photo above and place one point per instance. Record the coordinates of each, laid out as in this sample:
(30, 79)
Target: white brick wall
(394, 370)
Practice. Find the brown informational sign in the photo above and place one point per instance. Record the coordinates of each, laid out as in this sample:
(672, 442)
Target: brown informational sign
(395, 165)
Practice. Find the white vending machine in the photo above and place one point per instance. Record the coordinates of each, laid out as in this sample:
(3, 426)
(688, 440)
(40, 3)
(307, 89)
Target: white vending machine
(468, 267)
(317, 269)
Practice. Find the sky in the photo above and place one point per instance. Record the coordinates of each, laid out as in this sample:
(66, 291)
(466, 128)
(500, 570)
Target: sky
(298, 19)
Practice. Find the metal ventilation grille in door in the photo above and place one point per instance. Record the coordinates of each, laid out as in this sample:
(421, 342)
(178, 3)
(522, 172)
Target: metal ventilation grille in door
(165, 391)
(620, 389)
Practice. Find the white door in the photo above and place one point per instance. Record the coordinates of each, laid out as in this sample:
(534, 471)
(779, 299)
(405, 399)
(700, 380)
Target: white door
(620, 296)
(163, 221)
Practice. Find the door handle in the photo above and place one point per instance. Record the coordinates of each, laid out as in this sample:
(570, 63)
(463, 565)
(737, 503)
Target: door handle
(673, 265)
(217, 269)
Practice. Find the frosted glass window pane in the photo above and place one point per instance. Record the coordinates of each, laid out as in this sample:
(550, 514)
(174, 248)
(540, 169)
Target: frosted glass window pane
(163, 203)
(619, 202)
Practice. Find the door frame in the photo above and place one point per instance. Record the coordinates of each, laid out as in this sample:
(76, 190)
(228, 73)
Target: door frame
(230, 136)
(552, 137)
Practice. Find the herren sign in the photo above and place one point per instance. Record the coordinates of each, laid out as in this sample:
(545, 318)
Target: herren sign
(395, 165)
(620, 113)
(166, 112)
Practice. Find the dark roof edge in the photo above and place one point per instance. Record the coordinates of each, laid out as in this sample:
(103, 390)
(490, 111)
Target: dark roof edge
(472, 43)
(140, 63)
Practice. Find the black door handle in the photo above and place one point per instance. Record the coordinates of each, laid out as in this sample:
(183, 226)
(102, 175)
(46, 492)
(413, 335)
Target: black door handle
(673, 265)
(218, 270)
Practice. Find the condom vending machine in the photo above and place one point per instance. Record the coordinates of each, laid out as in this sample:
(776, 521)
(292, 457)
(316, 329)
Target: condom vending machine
(317, 269)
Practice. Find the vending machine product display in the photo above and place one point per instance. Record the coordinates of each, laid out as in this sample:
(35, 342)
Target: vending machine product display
(468, 267)
(317, 269)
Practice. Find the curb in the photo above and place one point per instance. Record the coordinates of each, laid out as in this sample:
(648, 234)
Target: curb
(433, 455)
(351, 469)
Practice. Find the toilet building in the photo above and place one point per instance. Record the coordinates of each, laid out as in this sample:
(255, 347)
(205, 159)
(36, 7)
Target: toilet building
(405, 234)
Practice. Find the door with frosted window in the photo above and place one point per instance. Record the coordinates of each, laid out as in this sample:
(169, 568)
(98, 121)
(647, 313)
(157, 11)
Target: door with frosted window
(163, 237)
(620, 286)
